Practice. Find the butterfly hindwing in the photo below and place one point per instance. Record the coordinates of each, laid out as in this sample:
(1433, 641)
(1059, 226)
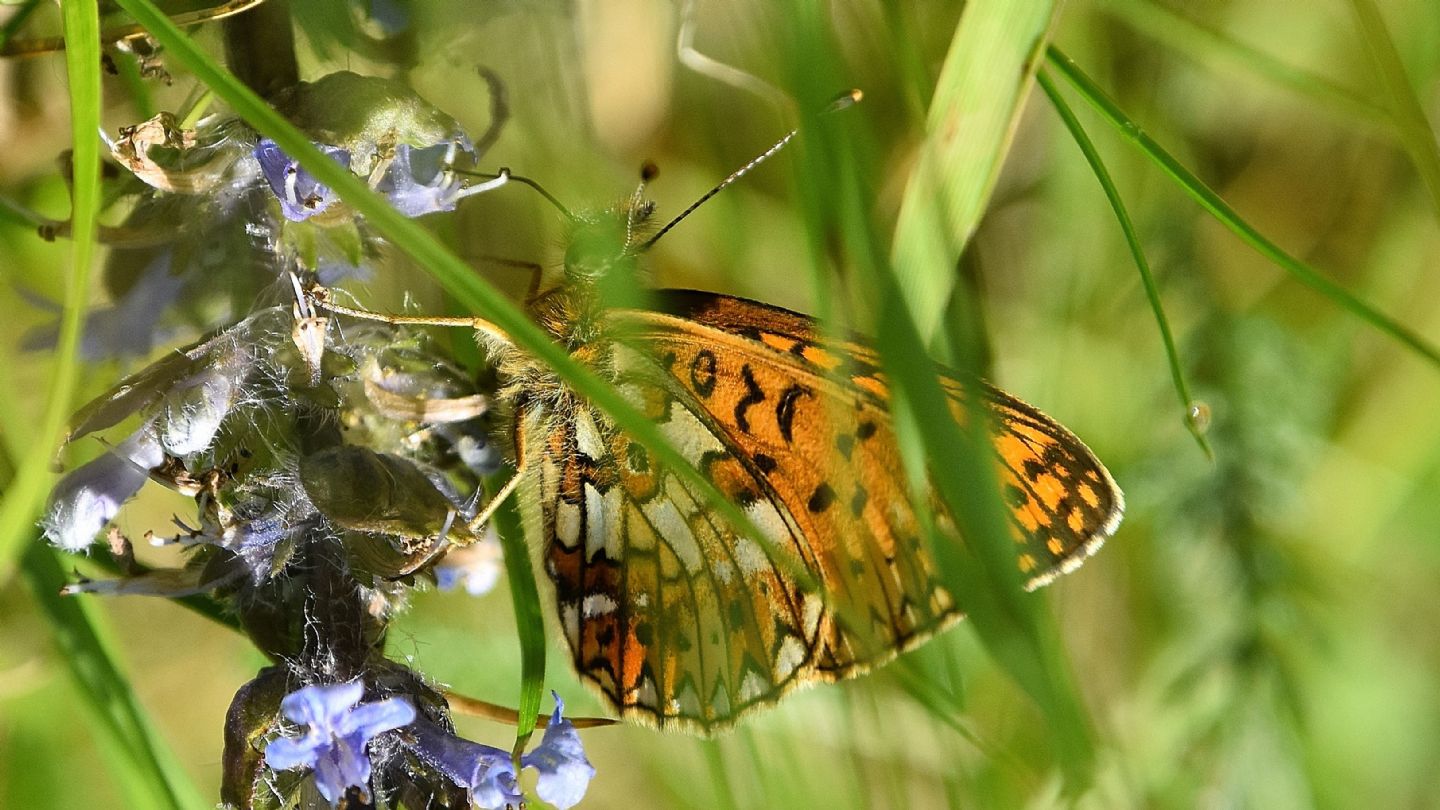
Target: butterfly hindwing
(676, 621)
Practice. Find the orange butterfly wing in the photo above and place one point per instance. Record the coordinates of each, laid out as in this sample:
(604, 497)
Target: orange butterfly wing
(681, 622)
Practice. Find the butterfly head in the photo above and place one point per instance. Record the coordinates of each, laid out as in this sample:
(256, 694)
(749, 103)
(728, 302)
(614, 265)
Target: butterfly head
(605, 245)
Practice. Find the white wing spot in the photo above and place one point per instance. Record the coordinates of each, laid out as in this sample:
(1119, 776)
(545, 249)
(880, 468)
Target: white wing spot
(720, 700)
(597, 604)
(587, 435)
(567, 524)
(752, 687)
(792, 655)
(811, 607)
(751, 556)
(689, 701)
(646, 692)
(687, 434)
(570, 620)
(595, 528)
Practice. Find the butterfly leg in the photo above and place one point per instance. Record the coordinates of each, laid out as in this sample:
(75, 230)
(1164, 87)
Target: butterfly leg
(321, 298)
(479, 521)
(532, 288)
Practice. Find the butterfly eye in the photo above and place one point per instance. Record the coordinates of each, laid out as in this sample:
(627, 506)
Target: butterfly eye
(596, 247)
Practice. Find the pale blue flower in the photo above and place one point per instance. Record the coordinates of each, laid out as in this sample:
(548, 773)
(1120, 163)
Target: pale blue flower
(301, 195)
(565, 773)
(475, 567)
(91, 495)
(489, 773)
(484, 770)
(338, 731)
(420, 179)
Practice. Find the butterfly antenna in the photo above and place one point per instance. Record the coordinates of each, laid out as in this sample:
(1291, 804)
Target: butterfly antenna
(846, 99)
(500, 178)
(640, 209)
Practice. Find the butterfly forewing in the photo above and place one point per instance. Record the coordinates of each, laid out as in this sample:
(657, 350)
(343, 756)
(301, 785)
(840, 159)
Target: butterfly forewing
(683, 622)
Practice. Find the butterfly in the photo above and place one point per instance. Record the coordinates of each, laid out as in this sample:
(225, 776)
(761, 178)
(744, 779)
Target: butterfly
(675, 616)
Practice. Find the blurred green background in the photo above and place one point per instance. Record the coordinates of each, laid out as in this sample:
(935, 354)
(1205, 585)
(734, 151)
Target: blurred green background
(1260, 632)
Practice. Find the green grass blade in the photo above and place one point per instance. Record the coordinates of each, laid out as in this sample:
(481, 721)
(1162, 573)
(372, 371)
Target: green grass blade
(1409, 117)
(1207, 46)
(973, 112)
(143, 764)
(23, 499)
(982, 574)
(529, 619)
(1210, 201)
(1147, 279)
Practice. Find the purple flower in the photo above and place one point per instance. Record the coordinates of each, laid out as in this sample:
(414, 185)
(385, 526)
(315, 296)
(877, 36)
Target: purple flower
(301, 195)
(565, 773)
(339, 729)
(90, 496)
(475, 567)
(130, 326)
(484, 770)
(489, 773)
(420, 180)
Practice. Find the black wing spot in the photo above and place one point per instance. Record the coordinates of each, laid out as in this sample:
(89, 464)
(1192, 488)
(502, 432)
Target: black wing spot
(764, 463)
(822, 498)
(643, 633)
(785, 409)
(866, 430)
(702, 373)
(753, 396)
(1033, 469)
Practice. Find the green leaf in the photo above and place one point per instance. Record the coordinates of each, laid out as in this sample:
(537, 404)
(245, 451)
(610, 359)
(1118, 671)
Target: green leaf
(23, 499)
(982, 573)
(1147, 279)
(1409, 116)
(529, 618)
(1210, 201)
(972, 118)
(146, 768)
